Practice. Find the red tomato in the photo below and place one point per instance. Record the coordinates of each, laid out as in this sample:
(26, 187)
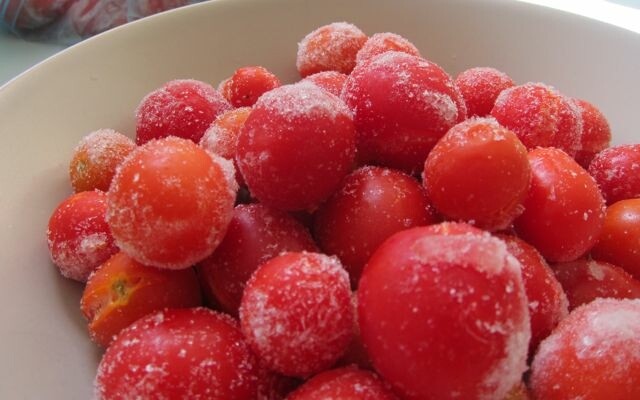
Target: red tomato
(619, 241)
(617, 171)
(442, 314)
(78, 236)
(479, 173)
(31, 14)
(402, 105)
(256, 234)
(356, 354)
(596, 134)
(331, 47)
(296, 146)
(90, 17)
(593, 354)
(296, 313)
(586, 280)
(247, 84)
(372, 204)
(190, 353)
(563, 210)
(348, 383)
(331, 81)
(548, 303)
(170, 203)
(122, 290)
(381, 43)
(480, 88)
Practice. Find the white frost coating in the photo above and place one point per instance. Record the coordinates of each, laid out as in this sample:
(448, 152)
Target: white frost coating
(330, 54)
(595, 270)
(443, 103)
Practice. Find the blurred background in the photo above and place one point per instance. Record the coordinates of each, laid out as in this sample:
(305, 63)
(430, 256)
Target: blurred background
(32, 30)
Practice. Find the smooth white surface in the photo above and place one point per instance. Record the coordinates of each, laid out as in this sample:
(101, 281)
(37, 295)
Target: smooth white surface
(44, 350)
(17, 55)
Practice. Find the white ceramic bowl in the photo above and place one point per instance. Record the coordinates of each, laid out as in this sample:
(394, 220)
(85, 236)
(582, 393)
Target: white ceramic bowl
(44, 350)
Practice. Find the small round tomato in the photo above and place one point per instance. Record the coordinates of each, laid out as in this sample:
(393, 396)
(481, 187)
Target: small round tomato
(586, 280)
(490, 195)
(347, 383)
(331, 81)
(593, 354)
(78, 236)
(122, 290)
(256, 234)
(372, 204)
(247, 84)
(564, 209)
(380, 43)
(617, 171)
(596, 133)
(442, 314)
(296, 313)
(620, 236)
(170, 203)
(191, 353)
(480, 88)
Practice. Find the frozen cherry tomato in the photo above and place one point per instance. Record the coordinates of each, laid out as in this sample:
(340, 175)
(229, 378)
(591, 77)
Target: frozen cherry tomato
(191, 353)
(596, 133)
(182, 107)
(347, 383)
(618, 242)
(586, 280)
(90, 17)
(564, 209)
(356, 354)
(122, 290)
(296, 313)
(78, 236)
(548, 303)
(331, 47)
(617, 171)
(96, 158)
(381, 43)
(150, 7)
(479, 173)
(402, 106)
(274, 386)
(170, 203)
(372, 204)
(540, 116)
(31, 14)
(442, 314)
(246, 84)
(593, 354)
(296, 146)
(331, 81)
(256, 234)
(480, 87)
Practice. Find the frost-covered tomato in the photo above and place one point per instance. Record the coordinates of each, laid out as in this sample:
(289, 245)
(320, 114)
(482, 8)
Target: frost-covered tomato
(617, 171)
(122, 290)
(78, 236)
(596, 133)
(191, 353)
(442, 314)
(170, 203)
(372, 204)
(247, 84)
(564, 209)
(256, 234)
(586, 280)
(348, 383)
(296, 146)
(593, 354)
(296, 313)
(480, 87)
(380, 43)
(479, 173)
(402, 105)
(331, 81)
(620, 236)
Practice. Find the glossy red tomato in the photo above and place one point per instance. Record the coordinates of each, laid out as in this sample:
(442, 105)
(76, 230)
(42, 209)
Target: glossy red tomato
(247, 84)
(619, 241)
(442, 314)
(596, 133)
(478, 173)
(347, 383)
(122, 290)
(564, 209)
(372, 204)
(192, 353)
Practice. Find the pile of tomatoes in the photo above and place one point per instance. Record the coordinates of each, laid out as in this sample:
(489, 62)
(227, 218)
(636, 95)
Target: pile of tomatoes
(378, 230)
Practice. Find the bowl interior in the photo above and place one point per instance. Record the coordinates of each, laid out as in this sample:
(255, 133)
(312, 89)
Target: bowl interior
(98, 83)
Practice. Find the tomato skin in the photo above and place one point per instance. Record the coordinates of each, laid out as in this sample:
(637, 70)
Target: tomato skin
(596, 133)
(489, 197)
(331, 81)
(616, 171)
(480, 88)
(170, 203)
(380, 43)
(427, 305)
(619, 242)
(122, 290)
(593, 354)
(247, 84)
(192, 353)
(255, 234)
(78, 236)
(372, 204)
(564, 209)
